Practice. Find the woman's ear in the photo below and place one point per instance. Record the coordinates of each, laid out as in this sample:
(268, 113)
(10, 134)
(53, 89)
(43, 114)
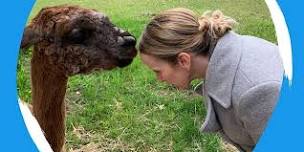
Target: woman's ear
(184, 60)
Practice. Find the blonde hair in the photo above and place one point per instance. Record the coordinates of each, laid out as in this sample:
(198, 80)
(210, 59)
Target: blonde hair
(178, 30)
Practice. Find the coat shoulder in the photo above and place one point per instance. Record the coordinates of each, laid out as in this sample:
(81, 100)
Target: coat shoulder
(259, 64)
(256, 106)
(260, 60)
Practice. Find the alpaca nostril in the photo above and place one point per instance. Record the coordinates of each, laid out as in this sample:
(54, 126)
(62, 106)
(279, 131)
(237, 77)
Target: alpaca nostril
(121, 31)
(120, 41)
(117, 29)
(125, 39)
(129, 41)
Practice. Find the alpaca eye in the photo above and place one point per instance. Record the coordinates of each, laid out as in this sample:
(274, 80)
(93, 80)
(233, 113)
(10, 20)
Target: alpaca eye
(76, 36)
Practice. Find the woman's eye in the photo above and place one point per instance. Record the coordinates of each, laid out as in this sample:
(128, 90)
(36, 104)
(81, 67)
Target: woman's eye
(155, 71)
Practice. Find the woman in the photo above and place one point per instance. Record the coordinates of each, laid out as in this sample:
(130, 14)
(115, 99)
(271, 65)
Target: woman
(242, 74)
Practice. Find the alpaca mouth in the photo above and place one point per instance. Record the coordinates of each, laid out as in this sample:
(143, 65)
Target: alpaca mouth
(124, 62)
(127, 57)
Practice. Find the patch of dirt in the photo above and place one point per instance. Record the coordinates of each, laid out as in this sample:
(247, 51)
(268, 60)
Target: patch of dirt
(98, 143)
(228, 147)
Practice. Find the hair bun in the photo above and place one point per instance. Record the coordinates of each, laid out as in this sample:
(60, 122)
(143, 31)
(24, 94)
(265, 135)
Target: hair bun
(203, 23)
(215, 23)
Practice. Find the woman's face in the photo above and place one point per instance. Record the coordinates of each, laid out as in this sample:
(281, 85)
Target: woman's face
(176, 74)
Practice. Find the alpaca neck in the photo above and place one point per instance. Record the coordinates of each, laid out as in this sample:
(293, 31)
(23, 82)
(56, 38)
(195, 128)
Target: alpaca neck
(48, 91)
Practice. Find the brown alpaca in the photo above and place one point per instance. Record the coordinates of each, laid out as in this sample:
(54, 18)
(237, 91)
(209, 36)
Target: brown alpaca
(69, 40)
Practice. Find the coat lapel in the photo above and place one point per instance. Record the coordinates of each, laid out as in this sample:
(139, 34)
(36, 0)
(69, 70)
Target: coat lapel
(220, 75)
(222, 68)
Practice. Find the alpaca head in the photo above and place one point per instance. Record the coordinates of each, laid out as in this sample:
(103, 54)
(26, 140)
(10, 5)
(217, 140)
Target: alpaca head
(78, 40)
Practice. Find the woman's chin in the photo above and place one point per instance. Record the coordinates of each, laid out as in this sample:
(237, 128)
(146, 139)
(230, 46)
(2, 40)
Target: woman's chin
(182, 87)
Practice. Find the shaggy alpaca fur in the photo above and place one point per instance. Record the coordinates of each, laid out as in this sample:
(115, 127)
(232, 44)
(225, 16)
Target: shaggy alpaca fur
(69, 40)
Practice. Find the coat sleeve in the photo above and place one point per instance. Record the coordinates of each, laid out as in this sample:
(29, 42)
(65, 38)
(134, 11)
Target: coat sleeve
(256, 106)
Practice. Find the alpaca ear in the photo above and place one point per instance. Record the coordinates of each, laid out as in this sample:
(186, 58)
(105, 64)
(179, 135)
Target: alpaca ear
(30, 37)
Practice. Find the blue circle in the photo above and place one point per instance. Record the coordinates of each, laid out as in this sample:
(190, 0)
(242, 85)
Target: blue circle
(14, 134)
(285, 128)
(283, 133)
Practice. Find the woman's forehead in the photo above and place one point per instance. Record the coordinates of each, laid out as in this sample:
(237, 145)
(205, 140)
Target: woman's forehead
(152, 61)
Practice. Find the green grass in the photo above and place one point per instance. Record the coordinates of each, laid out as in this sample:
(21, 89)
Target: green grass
(127, 109)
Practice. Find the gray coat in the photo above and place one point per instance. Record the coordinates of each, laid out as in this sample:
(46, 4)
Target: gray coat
(242, 86)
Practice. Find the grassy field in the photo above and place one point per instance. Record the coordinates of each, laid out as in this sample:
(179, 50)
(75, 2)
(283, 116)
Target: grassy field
(127, 109)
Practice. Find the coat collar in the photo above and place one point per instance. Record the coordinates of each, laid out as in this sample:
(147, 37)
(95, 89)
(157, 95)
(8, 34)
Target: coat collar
(222, 68)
